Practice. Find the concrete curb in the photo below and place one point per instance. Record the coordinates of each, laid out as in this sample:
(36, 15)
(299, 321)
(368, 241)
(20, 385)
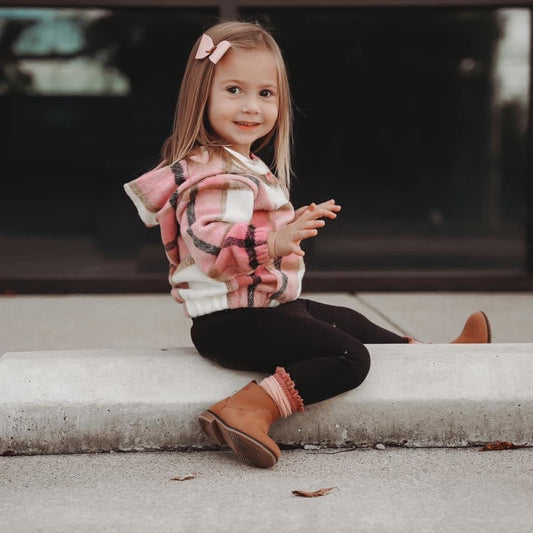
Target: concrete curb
(149, 399)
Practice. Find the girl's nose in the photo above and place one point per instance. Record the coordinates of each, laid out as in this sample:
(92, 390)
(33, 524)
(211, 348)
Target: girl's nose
(250, 106)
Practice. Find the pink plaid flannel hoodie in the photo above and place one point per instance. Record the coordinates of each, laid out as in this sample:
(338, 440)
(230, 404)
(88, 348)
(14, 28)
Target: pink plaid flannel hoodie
(214, 223)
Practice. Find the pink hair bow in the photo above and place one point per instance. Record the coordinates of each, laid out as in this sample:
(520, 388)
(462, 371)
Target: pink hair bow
(208, 48)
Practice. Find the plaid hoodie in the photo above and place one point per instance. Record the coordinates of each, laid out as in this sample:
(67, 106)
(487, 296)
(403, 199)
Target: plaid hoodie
(214, 223)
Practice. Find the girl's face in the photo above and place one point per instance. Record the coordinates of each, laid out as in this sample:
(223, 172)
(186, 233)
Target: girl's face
(243, 100)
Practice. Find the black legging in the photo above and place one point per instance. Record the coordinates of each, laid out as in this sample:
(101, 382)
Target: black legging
(321, 346)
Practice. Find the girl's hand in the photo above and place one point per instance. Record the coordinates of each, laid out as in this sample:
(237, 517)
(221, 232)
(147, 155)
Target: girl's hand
(287, 240)
(329, 209)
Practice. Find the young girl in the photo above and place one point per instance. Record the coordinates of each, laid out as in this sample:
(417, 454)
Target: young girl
(233, 240)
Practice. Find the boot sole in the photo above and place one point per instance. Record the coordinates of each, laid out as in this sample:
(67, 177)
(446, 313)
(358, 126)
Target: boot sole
(249, 450)
(489, 330)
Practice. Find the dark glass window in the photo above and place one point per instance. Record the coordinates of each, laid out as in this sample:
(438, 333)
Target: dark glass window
(87, 97)
(414, 120)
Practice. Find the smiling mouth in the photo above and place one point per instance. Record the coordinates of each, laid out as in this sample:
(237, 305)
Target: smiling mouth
(247, 125)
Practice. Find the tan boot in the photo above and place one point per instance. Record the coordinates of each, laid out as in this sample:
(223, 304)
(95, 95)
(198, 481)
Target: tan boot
(476, 330)
(242, 422)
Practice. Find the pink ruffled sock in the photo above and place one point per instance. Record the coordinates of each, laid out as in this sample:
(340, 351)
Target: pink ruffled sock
(282, 390)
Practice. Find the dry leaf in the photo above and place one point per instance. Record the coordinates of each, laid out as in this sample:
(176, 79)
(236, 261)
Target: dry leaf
(183, 478)
(319, 492)
(501, 445)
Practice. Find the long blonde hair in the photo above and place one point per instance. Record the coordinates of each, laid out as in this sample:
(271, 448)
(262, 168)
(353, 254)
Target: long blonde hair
(190, 131)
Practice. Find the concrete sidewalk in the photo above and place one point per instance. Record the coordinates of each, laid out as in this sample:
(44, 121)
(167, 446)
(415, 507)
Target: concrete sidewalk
(395, 490)
(71, 322)
(130, 379)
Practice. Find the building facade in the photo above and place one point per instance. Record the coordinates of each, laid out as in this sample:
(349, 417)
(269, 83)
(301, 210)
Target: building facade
(414, 115)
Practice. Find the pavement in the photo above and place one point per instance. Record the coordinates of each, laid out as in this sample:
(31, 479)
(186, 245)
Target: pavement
(72, 322)
(392, 488)
(119, 373)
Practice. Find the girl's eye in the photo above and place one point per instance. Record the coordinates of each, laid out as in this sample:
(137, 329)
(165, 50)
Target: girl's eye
(266, 93)
(234, 90)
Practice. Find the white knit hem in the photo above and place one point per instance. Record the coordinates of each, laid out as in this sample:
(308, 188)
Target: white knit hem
(149, 218)
(206, 306)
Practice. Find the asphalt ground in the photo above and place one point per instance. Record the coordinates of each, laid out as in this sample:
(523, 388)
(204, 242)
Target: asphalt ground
(392, 490)
(67, 322)
(395, 489)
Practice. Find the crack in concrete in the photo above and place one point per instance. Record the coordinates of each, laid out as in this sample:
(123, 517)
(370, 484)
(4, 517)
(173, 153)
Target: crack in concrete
(384, 316)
